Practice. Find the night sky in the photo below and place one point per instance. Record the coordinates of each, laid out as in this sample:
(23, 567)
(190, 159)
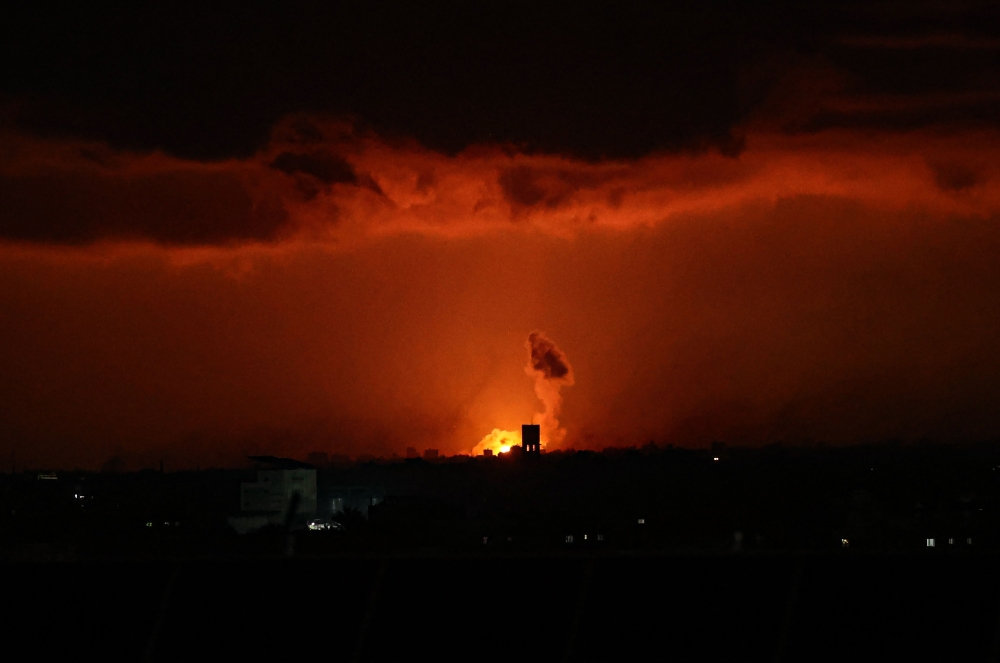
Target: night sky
(333, 226)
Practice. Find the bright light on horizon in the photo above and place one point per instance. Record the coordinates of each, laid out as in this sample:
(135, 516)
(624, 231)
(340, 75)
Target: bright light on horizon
(500, 441)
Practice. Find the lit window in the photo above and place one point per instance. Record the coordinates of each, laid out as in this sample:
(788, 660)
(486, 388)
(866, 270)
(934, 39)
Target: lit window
(716, 459)
(584, 537)
(951, 542)
(149, 524)
(600, 537)
(968, 542)
(930, 543)
(642, 521)
(569, 538)
(844, 543)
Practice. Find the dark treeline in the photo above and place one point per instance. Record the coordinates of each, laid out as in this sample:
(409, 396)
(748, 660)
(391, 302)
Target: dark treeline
(869, 498)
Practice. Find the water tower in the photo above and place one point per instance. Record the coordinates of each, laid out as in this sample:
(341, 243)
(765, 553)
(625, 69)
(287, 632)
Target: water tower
(531, 439)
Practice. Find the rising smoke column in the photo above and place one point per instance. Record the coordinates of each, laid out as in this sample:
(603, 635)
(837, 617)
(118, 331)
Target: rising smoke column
(548, 365)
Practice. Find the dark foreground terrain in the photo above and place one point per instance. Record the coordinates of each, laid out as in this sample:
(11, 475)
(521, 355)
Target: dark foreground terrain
(733, 607)
(874, 553)
(874, 499)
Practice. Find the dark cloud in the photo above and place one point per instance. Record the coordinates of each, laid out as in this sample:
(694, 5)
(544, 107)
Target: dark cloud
(168, 207)
(520, 186)
(524, 186)
(591, 82)
(327, 168)
(956, 176)
(547, 358)
(937, 40)
(905, 117)
(588, 79)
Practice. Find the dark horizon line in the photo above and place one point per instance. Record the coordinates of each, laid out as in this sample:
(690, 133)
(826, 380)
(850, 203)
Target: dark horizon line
(713, 451)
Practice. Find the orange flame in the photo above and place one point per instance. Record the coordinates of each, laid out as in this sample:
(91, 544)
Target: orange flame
(500, 441)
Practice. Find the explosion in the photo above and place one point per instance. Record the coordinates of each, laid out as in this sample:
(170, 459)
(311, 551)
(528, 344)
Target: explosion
(548, 365)
(499, 441)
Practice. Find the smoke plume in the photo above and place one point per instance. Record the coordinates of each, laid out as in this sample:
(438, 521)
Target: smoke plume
(548, 365)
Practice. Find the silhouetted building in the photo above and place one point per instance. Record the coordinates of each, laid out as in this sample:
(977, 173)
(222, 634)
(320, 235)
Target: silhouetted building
(278, 463)
(411, 452)
(268, 500)
(430, 454)
(531, 439)
(273, 490)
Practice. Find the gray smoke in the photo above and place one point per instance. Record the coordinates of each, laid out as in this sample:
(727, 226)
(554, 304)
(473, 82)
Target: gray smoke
(551, 370)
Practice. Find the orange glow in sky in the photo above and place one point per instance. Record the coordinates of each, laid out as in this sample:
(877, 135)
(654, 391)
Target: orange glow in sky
(834, 286)
(499, 441)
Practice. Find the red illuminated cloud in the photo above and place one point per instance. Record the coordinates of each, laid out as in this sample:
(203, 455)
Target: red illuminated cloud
(320, 181)
(74, 192)
(346, 293)
(409, 189)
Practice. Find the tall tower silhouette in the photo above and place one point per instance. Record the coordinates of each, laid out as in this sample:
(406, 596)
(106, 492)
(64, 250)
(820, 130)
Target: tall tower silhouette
(531, 439)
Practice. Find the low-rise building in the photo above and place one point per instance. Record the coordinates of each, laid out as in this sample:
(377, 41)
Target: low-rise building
(270, 500)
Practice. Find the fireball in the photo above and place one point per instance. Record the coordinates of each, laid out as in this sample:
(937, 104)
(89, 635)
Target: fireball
(500, 441)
